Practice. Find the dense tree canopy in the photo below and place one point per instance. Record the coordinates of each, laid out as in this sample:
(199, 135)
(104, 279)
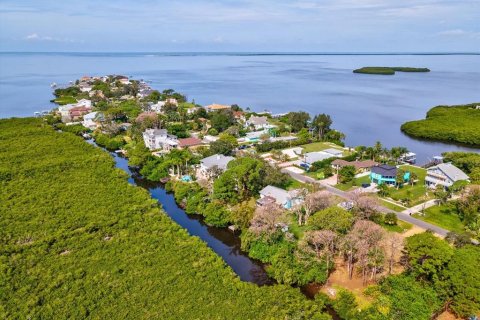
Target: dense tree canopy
(77, 241)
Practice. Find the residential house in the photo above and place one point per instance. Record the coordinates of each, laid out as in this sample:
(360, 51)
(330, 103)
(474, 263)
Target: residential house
(124, 81)
(159, 139)
(217, 107)
(84, 103)
(257, 123)
(284, 198)
(76, 113)
(311, 157)
(158, 107)
(91, 120)
(444, 174)
(96, 93)
(192, 110)
(172, 101)
(65, 111)
(145, 92)
(239, 116)
(360, 166)
(209, 139)
(386, 174)
(189, 142)
(292, 153)
(85, 87)
(217, 160)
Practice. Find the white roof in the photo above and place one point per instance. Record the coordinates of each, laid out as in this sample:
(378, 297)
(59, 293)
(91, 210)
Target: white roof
(450, 171)
(90, 116)
(312, 157)
(293, 152)
(335, 152)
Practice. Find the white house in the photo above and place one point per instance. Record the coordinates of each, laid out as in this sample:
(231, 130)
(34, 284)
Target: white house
(84, 103)
(157, 107)
(444, 174)
(257, 122)
(89, 121)
(293, 152)
(284, 198)
(218, 160)
(85, 87)
(311, 157)
(159, 139)
(65, 110)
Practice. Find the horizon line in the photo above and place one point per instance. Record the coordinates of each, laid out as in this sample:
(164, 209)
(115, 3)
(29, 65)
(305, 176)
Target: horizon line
(252, 52)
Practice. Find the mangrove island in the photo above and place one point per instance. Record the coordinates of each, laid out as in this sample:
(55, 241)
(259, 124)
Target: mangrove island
(388, 70)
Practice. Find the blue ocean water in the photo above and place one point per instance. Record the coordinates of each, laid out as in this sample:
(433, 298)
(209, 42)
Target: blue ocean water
(366, 107)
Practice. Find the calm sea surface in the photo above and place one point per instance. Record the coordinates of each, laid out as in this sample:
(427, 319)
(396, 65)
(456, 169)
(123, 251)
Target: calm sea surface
(366, 107)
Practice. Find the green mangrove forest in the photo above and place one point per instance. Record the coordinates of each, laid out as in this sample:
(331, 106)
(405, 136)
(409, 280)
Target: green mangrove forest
(388, 70)
(78, 241)
(458, 123)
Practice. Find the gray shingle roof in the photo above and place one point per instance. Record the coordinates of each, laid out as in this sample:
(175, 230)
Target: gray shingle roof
(451, 171)
(218, 160)
(385, 170)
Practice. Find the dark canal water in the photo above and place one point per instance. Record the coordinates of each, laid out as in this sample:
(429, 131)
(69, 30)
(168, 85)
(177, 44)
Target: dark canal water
(221, 240)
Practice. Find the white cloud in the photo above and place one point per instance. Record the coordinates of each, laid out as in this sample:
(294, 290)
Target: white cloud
(459, 33)
(36, 37)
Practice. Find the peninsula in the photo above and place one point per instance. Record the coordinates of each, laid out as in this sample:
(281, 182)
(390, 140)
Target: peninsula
(458, 123)
(388, 70)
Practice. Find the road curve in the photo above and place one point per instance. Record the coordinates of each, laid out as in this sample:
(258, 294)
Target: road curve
(402, 216)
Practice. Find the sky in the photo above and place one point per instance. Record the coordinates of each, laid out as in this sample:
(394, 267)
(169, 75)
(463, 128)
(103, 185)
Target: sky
(240, 26)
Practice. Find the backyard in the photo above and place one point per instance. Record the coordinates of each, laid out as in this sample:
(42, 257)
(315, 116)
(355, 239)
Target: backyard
(319, 146)
(357, 182)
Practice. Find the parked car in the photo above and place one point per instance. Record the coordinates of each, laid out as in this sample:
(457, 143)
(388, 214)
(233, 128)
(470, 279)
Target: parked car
(366, 185)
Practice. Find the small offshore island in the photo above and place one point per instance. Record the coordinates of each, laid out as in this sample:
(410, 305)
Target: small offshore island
(352, 227)
(388, 70)
(459, 123)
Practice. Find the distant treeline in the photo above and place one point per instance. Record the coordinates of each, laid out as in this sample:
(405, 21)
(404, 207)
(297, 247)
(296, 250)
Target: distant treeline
(459, 123)
(388, 70)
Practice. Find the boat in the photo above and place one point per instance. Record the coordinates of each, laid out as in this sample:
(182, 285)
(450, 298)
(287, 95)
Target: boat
(409, 157)
(53, 85)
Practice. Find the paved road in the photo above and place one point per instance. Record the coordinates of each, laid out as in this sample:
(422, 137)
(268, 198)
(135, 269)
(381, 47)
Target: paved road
(346, 195)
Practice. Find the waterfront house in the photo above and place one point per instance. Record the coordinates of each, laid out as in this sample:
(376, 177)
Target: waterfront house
(311, 157)
(217, 107)
(284, 198)
(444, 174)
(189, 142)
(76, 113)
(386, 174)
(360, 166)
(217, 160)
(91, 120)
(257, 123)
(84, 103)
(159, 139)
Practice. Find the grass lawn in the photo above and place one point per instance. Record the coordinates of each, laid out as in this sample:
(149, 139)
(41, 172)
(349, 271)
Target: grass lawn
(294, 184)
(319, 146)
(349, 185)
(400, 227)
(65, 100)
(415, 193)
(390, 205)
(445, 216)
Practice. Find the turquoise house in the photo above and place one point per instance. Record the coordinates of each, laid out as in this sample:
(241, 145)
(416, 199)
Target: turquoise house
(386, 174)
